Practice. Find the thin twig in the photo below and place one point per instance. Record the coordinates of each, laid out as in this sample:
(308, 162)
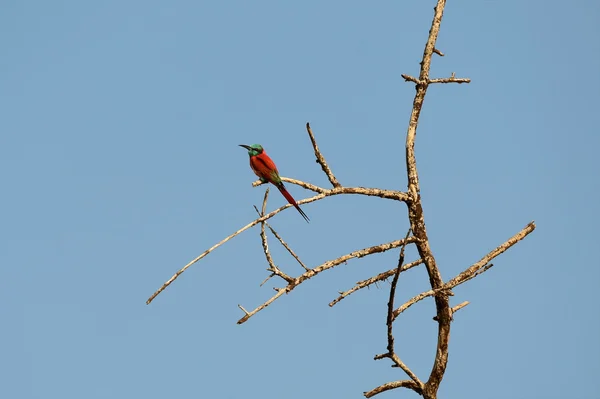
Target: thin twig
(372, 280)
(438, 52)
(320, 159)
(408, 78)
(280, 292)
(496, 251)
(459, 306)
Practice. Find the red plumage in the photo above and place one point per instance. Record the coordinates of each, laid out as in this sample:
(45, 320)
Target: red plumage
(264, 167)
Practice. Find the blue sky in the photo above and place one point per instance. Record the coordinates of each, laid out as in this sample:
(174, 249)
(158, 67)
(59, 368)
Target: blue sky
(119, 163)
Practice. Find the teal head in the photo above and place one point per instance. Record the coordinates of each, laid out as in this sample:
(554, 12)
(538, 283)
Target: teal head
(254, 149)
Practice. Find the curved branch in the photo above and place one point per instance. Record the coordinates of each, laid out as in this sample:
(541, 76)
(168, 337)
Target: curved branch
(416, 217)
(410, 384)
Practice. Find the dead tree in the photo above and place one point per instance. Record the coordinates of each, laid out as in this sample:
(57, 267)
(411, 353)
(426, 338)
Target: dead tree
(416, 235)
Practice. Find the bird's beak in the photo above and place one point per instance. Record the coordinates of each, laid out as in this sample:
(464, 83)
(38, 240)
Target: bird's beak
(246, 147)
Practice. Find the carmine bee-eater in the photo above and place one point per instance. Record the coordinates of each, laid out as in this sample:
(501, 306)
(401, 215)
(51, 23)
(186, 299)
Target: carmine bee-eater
(264, 167)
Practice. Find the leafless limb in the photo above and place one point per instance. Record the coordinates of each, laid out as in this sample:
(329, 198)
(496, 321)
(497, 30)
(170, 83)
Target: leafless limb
(459, 306)
(391, 353)
(280, 292)
(409, 78)
(320, 159)
(374, 192)
(494, 253)
(326, 266)
(372, 280)
(450, 80)
(371, 192)
(393, 385)
(416, 217)
(471, 272)
(438, 52)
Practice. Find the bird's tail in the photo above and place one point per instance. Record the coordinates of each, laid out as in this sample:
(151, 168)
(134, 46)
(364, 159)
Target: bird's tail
(292, 201)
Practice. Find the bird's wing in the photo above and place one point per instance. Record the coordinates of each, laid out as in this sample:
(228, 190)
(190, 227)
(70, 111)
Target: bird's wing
(264, 167)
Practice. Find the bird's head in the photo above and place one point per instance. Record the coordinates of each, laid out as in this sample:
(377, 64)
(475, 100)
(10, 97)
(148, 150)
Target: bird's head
(254, 149)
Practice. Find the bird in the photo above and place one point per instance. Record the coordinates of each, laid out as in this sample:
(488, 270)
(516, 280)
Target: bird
(264, 167)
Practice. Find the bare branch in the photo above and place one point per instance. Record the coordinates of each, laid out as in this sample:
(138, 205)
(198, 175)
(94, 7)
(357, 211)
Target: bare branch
(264, 204)
(373, 192)
(415, 212)
(388, 194)
(492, 254)
(451, 79)
(420, 297)
(329, 265)
(438, 52)
(408, 78)
(390, 321)
(471, 272)
(248, 315)
(203, 254)
(459, 306)
(380, 277)
(320, 159)
(410, 384)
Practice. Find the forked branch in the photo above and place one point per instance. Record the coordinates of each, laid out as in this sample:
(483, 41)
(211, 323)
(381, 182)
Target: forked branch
(472, 271)
(391, 353)
(326, 266)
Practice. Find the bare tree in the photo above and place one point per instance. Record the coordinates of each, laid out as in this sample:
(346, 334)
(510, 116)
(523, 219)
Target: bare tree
(416, 235)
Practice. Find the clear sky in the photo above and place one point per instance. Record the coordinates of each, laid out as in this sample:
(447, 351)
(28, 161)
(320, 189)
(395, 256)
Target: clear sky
(119, 163)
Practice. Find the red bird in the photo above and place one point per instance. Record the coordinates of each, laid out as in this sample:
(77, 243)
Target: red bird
(265, 169)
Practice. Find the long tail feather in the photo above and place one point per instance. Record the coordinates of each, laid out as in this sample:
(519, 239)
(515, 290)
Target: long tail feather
(292, 201)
